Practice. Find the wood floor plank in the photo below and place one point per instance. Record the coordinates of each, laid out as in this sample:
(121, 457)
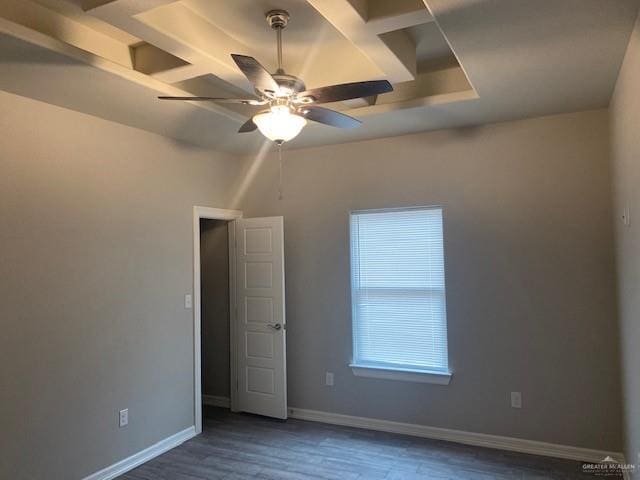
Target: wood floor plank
(247, 447)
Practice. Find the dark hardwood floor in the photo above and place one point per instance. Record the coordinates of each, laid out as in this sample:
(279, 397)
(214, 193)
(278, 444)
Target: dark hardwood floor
(239, 446)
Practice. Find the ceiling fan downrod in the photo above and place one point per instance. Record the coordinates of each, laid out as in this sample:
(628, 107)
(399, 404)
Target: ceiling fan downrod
(289, 85)
(278, 20)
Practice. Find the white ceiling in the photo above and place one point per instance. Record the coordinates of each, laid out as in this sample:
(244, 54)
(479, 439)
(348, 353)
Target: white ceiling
(312, 48)
(521, 59)
(39, 73)
(432, 49)
(73, 9)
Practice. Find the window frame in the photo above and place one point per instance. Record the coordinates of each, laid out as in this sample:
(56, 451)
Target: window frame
(408, 373)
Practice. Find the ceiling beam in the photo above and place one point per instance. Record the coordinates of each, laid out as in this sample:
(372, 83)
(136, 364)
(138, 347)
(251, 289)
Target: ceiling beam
(163, 66)
(175, 28)
(180, 74)
(46, 21)
(399, 21)
(128, 7)
(47, 39)
(396, 58)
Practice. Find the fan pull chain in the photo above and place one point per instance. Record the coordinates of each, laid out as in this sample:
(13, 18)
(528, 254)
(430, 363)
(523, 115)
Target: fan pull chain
(280, 181)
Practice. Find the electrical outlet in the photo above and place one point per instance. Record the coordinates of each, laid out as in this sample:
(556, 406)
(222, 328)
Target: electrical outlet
(188, 301)
(328, 379)
(123, 417)
(516, 400)
(626, 216)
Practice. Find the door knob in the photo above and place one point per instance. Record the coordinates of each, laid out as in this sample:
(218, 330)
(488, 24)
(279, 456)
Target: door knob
(275, 326)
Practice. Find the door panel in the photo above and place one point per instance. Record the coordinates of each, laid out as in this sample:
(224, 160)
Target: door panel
(261, 327)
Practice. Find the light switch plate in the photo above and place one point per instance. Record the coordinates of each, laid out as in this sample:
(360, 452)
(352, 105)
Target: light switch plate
(188, 301)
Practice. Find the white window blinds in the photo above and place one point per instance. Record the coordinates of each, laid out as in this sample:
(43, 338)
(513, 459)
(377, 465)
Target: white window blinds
(398, 289)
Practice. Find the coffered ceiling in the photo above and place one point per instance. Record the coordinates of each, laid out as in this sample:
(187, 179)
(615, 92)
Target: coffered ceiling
(452, 62)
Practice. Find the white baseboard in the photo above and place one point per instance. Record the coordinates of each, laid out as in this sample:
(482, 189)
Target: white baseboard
(143, 456)
(215, 401)
(467, 438)
(458, 436)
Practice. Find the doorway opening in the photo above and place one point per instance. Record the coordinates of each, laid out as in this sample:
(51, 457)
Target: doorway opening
(220, 365)
(254, 311)
(215, 307)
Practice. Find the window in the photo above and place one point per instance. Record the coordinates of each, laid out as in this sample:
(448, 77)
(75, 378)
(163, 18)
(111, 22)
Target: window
(398, 295)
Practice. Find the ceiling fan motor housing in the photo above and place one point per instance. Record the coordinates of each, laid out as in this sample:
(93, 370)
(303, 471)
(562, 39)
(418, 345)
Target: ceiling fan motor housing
(289, 84)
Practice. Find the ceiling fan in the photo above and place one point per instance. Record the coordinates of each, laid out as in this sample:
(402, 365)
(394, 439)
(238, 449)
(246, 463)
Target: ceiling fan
(289, 104)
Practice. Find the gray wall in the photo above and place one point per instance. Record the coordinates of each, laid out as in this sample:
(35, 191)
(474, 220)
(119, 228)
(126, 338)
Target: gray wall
(625, 145)
(214, 277)
(529, 271)
(95, 259)
(95, 235)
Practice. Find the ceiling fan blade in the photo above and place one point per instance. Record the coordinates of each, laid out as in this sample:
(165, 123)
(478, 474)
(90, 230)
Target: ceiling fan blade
(244, 101)
(347, 91)
(248, 126)
(256, 73)
(330, 117)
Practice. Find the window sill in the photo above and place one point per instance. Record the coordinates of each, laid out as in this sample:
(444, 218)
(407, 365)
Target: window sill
(401, 374)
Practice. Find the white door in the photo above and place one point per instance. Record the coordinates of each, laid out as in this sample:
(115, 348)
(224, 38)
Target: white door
(261, 327)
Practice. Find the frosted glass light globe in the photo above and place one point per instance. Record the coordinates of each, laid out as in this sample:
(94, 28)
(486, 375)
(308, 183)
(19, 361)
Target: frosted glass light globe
(279, 124)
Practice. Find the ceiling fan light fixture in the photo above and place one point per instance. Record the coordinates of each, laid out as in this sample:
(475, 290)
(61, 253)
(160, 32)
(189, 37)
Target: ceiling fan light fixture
(279, 124)
(291, 104)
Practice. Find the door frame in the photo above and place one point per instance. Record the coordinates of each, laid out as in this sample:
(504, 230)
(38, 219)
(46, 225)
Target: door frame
(230, 216)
